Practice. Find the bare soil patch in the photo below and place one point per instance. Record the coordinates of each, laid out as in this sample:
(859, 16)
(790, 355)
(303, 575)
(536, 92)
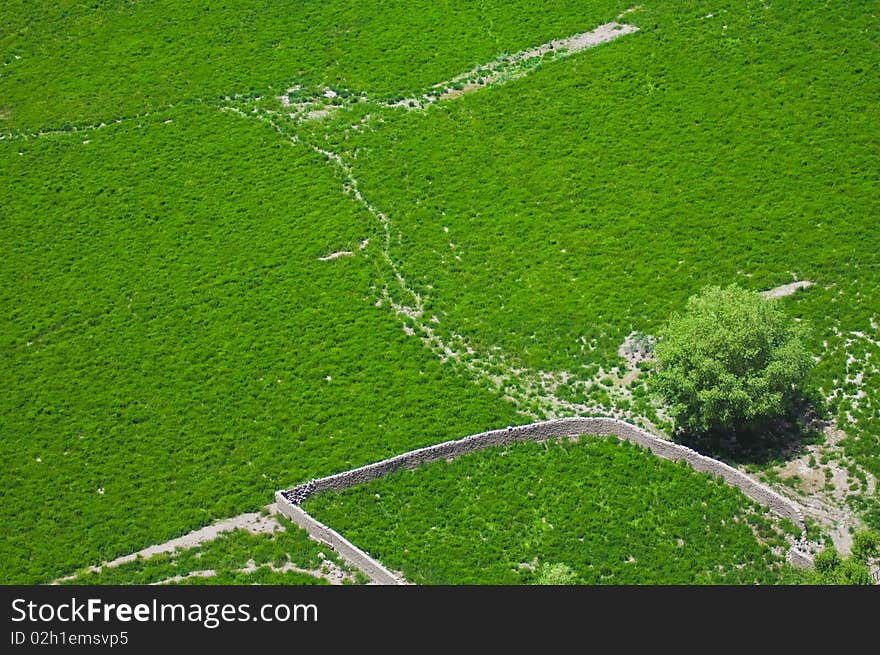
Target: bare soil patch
(820, 483)
(253, 522)
(786, 289)
(335, 255)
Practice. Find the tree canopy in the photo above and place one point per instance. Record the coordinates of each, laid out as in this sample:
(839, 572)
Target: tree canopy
(730, 362)
(830, 568)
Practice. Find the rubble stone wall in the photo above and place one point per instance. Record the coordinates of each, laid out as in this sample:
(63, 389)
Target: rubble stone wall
(289, 500)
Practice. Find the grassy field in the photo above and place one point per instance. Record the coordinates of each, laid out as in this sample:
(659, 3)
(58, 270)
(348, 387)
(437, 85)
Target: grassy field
(172, 349)
(73, 63)
(593, 197)
(611, 512)
(733, 142)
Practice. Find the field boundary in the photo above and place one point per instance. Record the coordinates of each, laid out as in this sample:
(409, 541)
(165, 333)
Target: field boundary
(288, 500)
(353, 555)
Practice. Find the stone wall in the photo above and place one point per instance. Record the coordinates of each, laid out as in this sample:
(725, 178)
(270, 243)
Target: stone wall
(560, 428)
(567, 427)
(377, 573)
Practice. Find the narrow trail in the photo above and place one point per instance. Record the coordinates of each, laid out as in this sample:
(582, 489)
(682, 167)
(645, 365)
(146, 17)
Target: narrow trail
(329, 571)
(253, 522)
(533, 393)
(511, 67)
(525, 389)
(522, 387)
(89, 127)
(319, 103)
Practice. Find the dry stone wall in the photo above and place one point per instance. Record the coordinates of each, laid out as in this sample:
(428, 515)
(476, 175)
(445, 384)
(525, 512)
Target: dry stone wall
(289, 500)
(377, 573)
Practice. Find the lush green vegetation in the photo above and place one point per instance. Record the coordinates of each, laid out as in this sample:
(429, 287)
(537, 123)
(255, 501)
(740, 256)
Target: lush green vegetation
(673, 158)
(230, 557)
(608, 511)
(594, 196)
(731, 362)
(70, 63)
(172, 350)
(731, 142)
(264, 575)
(833, 569)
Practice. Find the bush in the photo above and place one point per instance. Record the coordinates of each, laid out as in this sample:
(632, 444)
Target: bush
(829, 568)
(729, 363)
(827, 561)
(866, 545)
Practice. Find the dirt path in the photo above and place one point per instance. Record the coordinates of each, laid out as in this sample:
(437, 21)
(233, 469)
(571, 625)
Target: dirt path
(786, 289)
(328, 571)
(319, 103)
(253, 522)
(511, 67)
(85, 127)
(579, 42)
(335, 255)
(534, 393)
(522, 387)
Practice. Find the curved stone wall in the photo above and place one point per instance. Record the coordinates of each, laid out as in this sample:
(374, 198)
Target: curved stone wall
(289, 500)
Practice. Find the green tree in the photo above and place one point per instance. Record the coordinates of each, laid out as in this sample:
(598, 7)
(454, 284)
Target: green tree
(729, 362)
(866, 545)
(829, 568)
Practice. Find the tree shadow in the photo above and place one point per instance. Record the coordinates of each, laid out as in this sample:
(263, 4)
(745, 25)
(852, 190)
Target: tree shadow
(762, 443)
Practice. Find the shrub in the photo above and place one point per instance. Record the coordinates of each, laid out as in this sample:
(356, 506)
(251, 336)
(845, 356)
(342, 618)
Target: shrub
(829, 568)
(729, 363)
(866, 544)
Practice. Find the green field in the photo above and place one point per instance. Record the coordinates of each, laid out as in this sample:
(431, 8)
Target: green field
(548, 218)
(611, 512)
(170, 334)
(590, 199)
(79, 64)
(173, 348)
